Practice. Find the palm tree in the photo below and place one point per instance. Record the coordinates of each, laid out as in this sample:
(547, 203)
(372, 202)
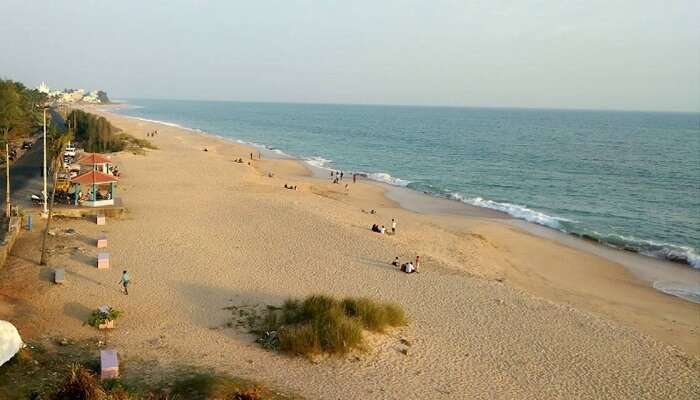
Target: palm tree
(54, 153)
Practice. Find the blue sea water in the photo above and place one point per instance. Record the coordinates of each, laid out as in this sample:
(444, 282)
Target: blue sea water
(627, 179)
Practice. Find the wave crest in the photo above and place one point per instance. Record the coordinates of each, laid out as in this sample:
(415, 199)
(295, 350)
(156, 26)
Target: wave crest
(386, 178)
(514, 210)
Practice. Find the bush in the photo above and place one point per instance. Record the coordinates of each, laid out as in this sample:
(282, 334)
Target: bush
(98, 317)
(321, 324)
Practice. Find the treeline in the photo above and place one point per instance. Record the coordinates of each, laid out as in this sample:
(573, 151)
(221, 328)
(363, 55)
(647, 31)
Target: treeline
(97, 135)
(20, 109)
(94, 132)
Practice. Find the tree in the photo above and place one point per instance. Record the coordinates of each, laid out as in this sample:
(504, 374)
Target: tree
(12, 117)
(54, 152)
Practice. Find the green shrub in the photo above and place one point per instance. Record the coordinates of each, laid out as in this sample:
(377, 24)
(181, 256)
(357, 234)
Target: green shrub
(321, 324)
(98, 317)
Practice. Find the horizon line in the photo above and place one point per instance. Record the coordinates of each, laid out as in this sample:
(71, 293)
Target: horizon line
(417, 105)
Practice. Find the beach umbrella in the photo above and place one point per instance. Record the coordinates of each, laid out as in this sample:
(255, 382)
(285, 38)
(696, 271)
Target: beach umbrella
(10, 342)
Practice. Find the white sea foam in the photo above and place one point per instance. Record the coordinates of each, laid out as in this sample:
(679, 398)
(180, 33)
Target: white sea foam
(655, 249)
(686, 291)
(514, 210)
(319, 162)
(171, 124)
(386, 178)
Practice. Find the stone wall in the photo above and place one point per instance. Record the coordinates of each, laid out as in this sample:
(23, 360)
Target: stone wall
(10, 238)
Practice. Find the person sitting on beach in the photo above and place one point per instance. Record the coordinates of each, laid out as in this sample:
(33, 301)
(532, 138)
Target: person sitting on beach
(407, 268)
(375, 228)
(382, 230)
(285, 186)
(396, 262)
(372, 211)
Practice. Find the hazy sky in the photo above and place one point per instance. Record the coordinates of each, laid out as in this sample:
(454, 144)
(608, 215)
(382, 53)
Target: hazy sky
(636, 54)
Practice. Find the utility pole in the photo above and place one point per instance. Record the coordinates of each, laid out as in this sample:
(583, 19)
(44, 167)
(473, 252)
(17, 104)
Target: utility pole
(7, 177)
(46, 210)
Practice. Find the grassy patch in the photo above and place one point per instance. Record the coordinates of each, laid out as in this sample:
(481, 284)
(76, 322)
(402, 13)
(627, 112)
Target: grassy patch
(211, 386)
(40, 367)
(135, 145)
(71, 371)
(322, 324)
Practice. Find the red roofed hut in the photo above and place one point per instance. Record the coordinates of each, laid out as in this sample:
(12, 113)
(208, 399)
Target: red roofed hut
(100, 189)
(97, 162)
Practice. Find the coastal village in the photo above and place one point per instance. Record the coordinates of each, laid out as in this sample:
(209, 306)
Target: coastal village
(151, 261)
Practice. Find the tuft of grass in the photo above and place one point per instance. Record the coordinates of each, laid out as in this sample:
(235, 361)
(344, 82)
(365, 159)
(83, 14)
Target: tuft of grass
(204, 386)
(375, 317)
(134, 144)
(80, 384)
(322, 324)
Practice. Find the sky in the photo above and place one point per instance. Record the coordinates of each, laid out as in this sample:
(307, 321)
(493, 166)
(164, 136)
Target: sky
(622, 55)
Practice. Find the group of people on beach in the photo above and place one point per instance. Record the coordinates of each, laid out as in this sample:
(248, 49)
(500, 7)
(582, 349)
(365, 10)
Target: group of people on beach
(337, 176)
(408, 267)
(152, 134)
(381, 229)
(290, 187)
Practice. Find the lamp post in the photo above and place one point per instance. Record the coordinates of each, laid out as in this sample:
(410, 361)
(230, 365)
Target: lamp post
(45, 192)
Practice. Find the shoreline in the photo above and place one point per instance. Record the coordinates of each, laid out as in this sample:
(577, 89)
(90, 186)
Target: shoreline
(602, 271)
(662, 251)
(674, 278)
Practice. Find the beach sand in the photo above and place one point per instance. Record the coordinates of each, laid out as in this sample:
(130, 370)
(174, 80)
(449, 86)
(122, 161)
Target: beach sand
(496, 312)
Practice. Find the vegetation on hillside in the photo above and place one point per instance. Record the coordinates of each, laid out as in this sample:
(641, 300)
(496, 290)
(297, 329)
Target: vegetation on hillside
(321, 324)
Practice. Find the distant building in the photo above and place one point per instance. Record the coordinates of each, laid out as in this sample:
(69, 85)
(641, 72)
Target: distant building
(43, 88)
(69, 96)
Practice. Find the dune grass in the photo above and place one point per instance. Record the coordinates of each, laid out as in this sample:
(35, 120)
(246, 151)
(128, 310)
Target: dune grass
(322, 324)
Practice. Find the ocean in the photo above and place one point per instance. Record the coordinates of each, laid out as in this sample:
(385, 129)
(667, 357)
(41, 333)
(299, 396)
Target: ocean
(629, 180)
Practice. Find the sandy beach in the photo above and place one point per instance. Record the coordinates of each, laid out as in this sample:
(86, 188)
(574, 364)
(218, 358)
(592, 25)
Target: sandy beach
(496, 311)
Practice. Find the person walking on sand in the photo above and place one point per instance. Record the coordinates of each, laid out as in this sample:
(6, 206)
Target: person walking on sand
(393, 226)
(251, 156)
(354, 178)
(124, 281)
(417, 266)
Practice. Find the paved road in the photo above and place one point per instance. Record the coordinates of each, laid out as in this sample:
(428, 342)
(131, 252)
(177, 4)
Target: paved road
(26, 176)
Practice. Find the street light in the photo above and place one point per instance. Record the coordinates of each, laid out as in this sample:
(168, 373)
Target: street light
(45, 192)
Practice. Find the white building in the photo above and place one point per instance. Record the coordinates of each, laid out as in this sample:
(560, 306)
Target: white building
(68, 96)
(43, 88)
